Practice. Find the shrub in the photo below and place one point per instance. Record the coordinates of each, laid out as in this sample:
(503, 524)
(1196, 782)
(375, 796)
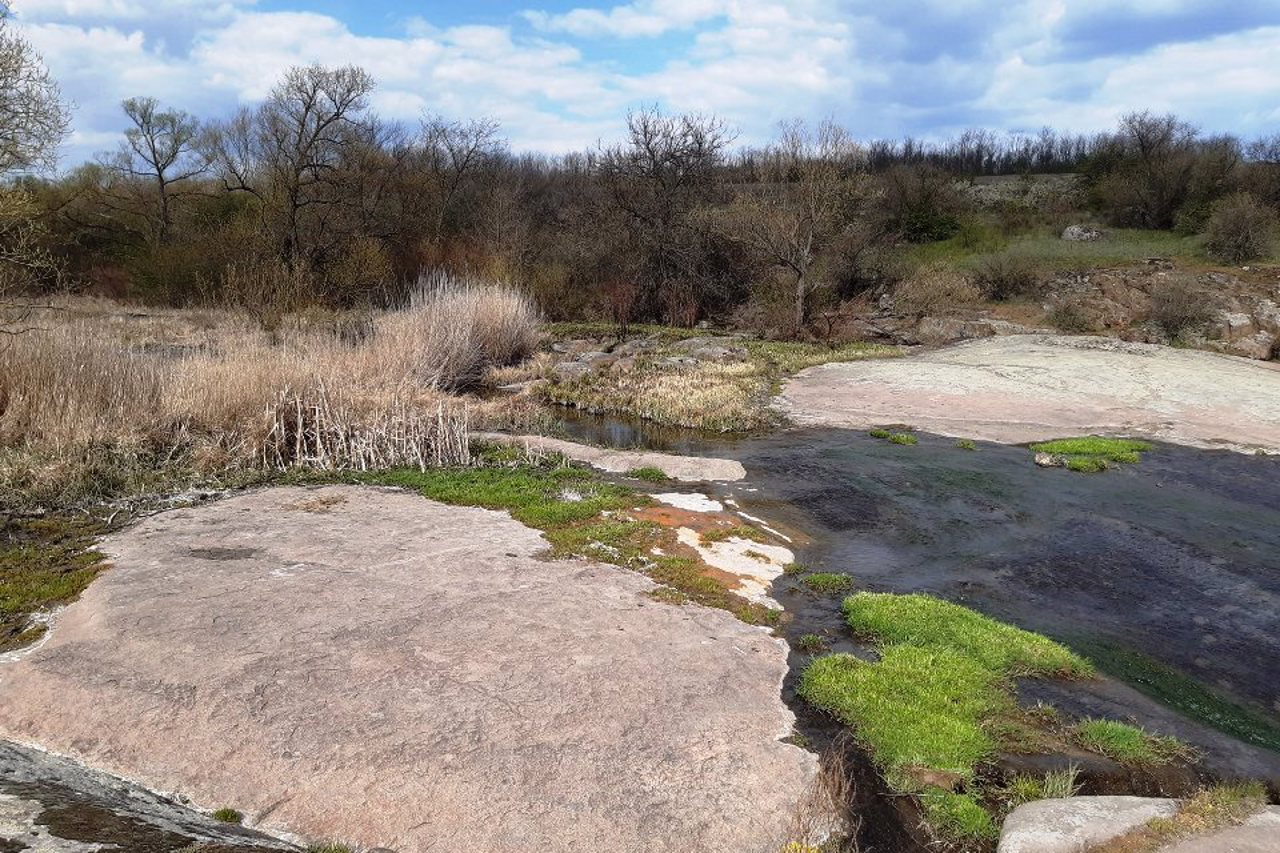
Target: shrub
(1005, 276)
(933, 290)
(1070, 317)
(921, 203)
(1240, 229)
(1180, 308)
(227, 815)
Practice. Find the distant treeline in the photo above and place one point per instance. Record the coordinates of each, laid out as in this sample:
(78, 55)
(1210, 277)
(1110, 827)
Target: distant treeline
(310, 198)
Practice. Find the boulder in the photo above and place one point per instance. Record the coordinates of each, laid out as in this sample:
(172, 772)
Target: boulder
(1073, 824)
(1082, 234)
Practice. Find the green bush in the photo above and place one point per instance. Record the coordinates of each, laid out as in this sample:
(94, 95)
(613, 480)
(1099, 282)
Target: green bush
(1240, 229)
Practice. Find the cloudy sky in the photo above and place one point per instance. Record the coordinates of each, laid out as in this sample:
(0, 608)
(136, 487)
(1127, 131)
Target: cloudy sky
(561, 74)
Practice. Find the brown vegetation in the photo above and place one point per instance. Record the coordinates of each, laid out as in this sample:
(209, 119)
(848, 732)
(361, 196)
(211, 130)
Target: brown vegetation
(214, 390)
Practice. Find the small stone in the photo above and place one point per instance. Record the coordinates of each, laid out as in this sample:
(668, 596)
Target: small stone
(1082, 234)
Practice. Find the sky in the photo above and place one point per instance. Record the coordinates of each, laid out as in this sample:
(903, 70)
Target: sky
(560, 75)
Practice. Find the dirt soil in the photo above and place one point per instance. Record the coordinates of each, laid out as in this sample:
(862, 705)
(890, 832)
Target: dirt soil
(1033, 387)
(364, 665)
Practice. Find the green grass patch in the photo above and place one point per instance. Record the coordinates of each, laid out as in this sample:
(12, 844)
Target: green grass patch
(228, 815)
(1045, 251)
(740, 531)
(915, 707)
(1091, 454)
(1127, 744)
(921, 620)
(1183, 694)
(43, 563)
(649, 474)
(958, 817)
(903, 438)
(966, 444)
(828, 583)
(939, 700)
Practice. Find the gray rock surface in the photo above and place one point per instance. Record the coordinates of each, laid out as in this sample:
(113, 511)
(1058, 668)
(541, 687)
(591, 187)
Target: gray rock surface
(49, 804)
(1073, 824)
(1077, 824)
(365, 665)
(692, 469)
(1034, 387)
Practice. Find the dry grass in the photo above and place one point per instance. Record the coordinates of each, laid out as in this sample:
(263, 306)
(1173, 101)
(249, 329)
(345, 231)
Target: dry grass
(935, 290)
(721, 397)
(1209, 810)
(217, 389)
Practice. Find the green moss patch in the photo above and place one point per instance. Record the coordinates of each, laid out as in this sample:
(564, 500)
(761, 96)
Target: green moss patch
(1091, 454)
(43, 563)
(1183, 694)
(649, 474)
(939, 701)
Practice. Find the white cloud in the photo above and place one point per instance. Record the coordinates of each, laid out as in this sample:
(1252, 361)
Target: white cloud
(558, 81)
(646, 18)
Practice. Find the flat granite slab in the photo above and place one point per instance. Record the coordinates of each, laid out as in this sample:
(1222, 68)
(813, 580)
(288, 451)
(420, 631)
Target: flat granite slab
(1024, 388)
(364, 665)
(1078, 824)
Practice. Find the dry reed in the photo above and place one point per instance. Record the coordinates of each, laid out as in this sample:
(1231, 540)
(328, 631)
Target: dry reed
(219, 386)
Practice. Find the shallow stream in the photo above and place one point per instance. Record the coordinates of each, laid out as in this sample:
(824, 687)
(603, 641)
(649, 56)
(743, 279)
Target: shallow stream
(1165, 573)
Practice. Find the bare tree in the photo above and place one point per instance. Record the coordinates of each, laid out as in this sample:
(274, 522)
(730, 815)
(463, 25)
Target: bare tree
(799, 207)
(657, 180)
(158, 160)
(290, 153)
(33, 116)
(453, 152)
(33, 121)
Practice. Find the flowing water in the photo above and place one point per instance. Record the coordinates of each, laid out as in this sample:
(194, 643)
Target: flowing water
(1166, 573)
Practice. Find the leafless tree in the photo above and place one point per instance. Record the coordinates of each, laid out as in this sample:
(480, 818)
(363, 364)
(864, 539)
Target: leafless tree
(453, 152)
(158, 162)
(33, 116)
(799, 206)
(657, 180)
(290, 152)
(33, 121)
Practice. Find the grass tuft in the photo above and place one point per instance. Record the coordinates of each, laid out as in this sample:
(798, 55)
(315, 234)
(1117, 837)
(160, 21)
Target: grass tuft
(1093, 454)
(958, 817)
(741, 531)
(1211, 809)
(649, 474)
(828, 583)
(227, 815)
(903, 438)
(1127, 744)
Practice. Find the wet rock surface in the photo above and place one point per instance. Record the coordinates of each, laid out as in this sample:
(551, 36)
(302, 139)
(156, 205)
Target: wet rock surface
(367, 666)
(1176, 558)
(53, 805)
(1036, 387)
